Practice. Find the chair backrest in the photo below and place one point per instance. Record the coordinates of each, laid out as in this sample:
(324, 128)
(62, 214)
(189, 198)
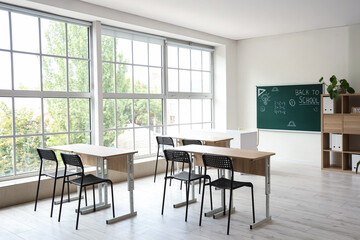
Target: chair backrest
(165, 140)
(191, 141)
(72, 160)
(222, 162)
(47, 154)
(177, 156)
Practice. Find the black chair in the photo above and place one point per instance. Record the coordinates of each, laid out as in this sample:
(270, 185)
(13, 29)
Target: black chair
(162, 141)
(194, 142)
(181, 157)
(49, 155)
(223, 162)
(83, 181)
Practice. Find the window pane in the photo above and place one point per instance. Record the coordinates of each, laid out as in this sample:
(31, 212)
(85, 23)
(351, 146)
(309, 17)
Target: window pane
(154, 55)
(141, 112)
(27, 158)
(78, 75)
(184, 58)
(54, 74)
(109, 138)
(196, 59)
(27, 115)
(142, 144)
(140, 53)
(4, 29)
(172, 57)
(207, 126)
(173, 80)
(78, 41)
(184, 105)
(125, 139)
(55, 140)
(5, 73)
(206, 61)
(196, 110)
(79, 114)
(108, 77)
(184, 79)
(185, 128)
(172, 130)
(154, 131)
(109, 114)
(107, 46)
(206, 82)
(172, 111)
(26, 72)
(5, 117)
(195, 81)
(25, 33)
(53, 36)
(155, 112)
(123, 78)
(206, 110)
(6, 160)
(55, 115)
(155, 80)
(80, 138)
(124, 113)
(140, 79)
(123, 50)
(196, 126)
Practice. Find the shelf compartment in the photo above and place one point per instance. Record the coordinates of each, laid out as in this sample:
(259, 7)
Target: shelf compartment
(351, 123)
(332, 123)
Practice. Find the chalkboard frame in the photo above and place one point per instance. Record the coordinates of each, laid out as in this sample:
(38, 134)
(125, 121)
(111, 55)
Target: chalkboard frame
(311, 125)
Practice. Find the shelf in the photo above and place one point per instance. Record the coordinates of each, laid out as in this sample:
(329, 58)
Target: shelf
(352, 151)
(334, 168)
(329, 150)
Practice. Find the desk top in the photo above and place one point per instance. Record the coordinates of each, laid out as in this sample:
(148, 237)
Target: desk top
(223, 151)
(202, 137)
(93, 150)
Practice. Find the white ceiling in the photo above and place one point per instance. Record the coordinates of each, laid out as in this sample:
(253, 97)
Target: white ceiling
(240, 19)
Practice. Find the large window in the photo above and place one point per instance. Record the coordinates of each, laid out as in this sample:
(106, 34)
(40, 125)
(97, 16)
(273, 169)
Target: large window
(133, 94)
(44, 87)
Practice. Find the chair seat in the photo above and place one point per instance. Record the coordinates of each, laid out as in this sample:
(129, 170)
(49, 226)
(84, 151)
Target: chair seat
(89, 180)
(225, 183)
(184, 176)
(60, 174)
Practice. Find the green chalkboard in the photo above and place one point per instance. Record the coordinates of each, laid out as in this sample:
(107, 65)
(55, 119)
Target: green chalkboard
(289, 107)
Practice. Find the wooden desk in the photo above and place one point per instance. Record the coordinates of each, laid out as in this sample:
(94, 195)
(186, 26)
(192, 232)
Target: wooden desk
(246, 161)
(207, 138)
(105, 158)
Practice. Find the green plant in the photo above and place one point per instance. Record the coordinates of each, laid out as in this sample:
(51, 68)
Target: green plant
(334, 89)
(357, 166)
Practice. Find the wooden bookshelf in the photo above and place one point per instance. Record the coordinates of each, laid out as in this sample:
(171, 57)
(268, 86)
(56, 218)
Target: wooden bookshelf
(345, 123)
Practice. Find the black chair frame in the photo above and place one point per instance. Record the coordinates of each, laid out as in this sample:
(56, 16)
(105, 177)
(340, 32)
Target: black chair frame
(224, 162)
(82, 182)
(162, 141)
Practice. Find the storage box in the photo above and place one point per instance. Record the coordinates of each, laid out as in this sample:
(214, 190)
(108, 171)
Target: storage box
(328, 105)
(354, 159)
(336, 142)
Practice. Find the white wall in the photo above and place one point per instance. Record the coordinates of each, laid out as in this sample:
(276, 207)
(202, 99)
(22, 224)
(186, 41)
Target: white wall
(298, 58)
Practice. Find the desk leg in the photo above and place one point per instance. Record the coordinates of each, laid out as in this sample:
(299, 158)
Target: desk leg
(267, 195)
(130, 179)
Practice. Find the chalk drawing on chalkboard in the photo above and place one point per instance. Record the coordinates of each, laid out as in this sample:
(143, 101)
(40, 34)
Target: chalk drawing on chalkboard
(291, 124)
(292, 102)
(262, 109)
(265, 98)
(260, 91)
(280, 107)
(274, 89)
(316, 109)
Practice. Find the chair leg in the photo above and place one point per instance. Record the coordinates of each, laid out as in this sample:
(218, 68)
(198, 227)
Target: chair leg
(68, 187)
(253, 207)
(112, 198)
(200, 171)
(162, 208)
(53, 197)
(202, 202)
(156, 164)
(37, 192)
(211, 202)
(78, 209)
(228, 226)
(187, 198)
(94, 197)
(85, 196)
(224, 202)
(61, 199)
(171, 172)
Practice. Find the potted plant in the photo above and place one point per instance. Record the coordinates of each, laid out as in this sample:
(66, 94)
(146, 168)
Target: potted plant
(334, 89)
(357, 166)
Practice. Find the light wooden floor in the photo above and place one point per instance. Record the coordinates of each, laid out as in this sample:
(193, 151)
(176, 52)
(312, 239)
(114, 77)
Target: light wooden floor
(306, 203)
